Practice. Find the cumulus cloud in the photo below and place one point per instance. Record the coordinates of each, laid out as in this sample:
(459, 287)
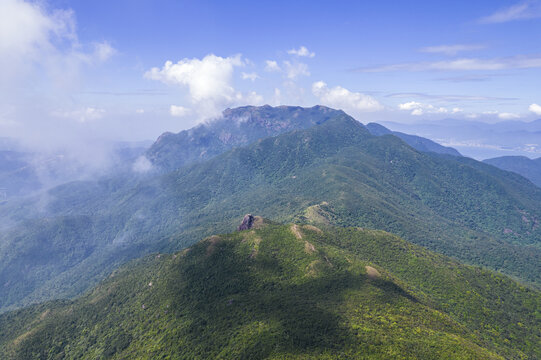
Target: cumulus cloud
(341, 98)
(31, 37)
(179, 111)
(250, 76)
(207, 78)
(451, 49)
(535, 108)
(418, 108)
(209, 82)
(520, 11)
(302, 51)
(272, 66)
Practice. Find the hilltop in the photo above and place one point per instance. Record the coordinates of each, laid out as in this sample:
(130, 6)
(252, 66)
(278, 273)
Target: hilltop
(287, 291)
(336, 172)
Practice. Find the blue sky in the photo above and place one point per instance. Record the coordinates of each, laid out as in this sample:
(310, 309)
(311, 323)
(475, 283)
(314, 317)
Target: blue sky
(78, 68)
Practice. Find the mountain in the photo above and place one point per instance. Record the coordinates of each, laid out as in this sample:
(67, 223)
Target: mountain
(416, 142)
(236, 127)
(478, 139)
(529, 168)
(287, 291)
(335, 172)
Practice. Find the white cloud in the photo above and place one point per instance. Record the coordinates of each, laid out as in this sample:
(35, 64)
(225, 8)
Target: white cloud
(520, 11)
(250, 98)
(142, 165)
(26, 29)
(508, 116)
(341, 98)
(209, 82)
(272, 66)
(535, 108)
(179, 111)
(291, 70)
(451, 49)
(464, 64)
(103, 51)
(250, 76)
(418, 108)
(207, 79)
(294, 70)
(140, 111)
(33, 39)
(81, 115)
(302, 51)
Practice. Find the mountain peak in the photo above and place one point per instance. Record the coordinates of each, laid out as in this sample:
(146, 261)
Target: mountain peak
(236, 127)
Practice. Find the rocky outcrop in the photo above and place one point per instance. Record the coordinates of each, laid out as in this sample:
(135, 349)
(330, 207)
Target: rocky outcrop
(247, 222)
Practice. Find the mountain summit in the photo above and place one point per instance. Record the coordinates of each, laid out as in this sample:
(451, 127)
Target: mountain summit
(236, 127)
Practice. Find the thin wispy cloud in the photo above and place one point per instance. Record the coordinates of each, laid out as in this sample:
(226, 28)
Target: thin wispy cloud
(463, 64)
(451, 49)
(418, 109)
(302, 51)
(272, 66)
(450, 98)
(520, 11)
(468, 78)
(250, 76)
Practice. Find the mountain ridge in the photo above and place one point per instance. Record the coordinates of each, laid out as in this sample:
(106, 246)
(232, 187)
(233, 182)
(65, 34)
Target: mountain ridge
(295, 291)
(529, 168)
(454, 205)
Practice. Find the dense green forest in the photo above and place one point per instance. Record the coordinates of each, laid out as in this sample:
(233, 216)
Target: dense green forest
(59, 244)
(529, 168)
(287, 291)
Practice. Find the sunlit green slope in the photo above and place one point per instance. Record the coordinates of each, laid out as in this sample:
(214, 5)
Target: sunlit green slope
(287, 291)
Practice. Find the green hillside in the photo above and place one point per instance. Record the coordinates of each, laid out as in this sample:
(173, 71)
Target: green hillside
(287, 291)
(236, 127)
(529, 168)
(335, 172)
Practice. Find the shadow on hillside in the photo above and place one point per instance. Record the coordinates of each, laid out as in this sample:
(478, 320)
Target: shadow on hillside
(251, 306)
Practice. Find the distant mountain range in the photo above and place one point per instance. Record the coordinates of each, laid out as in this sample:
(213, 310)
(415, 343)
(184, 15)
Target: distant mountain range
(245, 125)
(287, 291)
(416, 142)
(478, 139)
(530, 169)
(61, 242)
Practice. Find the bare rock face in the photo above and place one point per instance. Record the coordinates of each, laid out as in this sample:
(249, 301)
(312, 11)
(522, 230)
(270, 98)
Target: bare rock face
(247, 222)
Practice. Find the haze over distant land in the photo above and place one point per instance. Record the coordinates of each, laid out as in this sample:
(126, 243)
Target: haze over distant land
(379, 160)
(88, 73)
(480, 140)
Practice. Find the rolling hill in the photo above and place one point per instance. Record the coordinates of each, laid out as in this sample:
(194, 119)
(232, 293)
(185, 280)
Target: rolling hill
(287, 291)
(335, 172)
(529, 168)
(416, 142)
